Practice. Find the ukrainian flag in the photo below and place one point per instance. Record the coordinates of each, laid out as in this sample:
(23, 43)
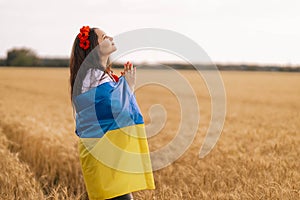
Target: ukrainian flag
(113, 146)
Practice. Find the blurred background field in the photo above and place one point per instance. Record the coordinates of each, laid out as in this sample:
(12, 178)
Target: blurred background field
(256, 157)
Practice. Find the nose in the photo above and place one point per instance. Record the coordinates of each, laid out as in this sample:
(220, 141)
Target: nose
(111, 38)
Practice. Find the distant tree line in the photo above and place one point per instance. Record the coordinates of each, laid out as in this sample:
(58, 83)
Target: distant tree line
(18, 57)
(27, 57)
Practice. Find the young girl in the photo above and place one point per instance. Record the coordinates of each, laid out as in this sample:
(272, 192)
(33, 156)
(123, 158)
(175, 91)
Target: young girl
(109, 173)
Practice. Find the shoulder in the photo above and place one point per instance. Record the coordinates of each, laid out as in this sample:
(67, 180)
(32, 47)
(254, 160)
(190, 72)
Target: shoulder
(93, 74)
(97, 72)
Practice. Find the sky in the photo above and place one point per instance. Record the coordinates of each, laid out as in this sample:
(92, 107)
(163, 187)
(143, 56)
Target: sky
(229, 31)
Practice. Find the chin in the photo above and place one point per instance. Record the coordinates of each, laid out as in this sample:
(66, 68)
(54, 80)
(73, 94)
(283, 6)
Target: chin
(114, 48)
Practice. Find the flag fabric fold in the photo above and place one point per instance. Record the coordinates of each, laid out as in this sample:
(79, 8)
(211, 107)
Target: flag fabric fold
(113, 147)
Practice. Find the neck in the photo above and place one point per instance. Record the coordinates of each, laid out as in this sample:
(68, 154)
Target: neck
(103, 61)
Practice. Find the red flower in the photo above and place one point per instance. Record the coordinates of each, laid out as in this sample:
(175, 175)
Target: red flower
(85, 29)
(83, 35)
(85, 44)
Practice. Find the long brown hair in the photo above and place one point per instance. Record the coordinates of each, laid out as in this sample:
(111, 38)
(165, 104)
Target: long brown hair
(78, 61)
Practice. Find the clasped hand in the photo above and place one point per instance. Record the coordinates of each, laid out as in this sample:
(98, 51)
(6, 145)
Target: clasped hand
(129, 73)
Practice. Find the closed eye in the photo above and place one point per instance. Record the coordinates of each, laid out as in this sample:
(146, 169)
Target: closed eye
(106, 37)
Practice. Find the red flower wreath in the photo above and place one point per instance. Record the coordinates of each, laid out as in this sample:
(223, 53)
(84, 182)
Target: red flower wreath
(84, 37)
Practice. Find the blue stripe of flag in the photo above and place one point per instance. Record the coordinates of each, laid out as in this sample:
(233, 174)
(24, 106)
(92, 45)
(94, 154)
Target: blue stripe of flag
(106, 107)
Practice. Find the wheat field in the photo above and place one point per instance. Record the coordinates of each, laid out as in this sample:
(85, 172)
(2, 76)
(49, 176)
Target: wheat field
(256, 157)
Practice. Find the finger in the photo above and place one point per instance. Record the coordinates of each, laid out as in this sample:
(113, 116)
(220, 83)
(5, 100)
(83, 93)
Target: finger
(134, 70)
(125, 67)
(128, 68)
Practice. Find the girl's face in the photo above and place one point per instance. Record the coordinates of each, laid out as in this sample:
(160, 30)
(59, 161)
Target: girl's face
(106, 43)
